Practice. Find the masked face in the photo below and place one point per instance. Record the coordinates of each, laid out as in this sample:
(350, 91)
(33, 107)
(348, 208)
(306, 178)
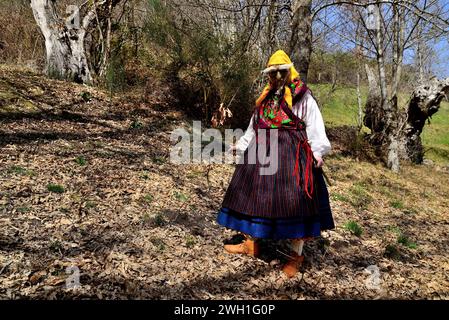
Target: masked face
(278, 78)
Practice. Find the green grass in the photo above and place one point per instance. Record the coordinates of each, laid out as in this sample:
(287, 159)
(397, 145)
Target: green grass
(360, 198)
(56, 246)
(145, 175)
(402, 238)
(23, 209)
(159, 159)
(405, 241)
(56, 188)
(397, 204)
(81, 161)
(86, 96)
(158, 242)
(354, 228)
(136, 124)
(394, 229)
(181, 196)
(146, 217)
(90, 204)
(340, 107)
(410, 211)
(148, 198)
(435, 136)
(159, 220)
(340, 197)
(190, 241)
(20, 171)
(392, 252)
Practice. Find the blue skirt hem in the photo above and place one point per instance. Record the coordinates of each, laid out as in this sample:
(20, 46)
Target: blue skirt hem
(284, 228)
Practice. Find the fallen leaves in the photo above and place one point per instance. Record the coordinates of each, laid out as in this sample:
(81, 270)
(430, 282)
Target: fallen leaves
(105, 221)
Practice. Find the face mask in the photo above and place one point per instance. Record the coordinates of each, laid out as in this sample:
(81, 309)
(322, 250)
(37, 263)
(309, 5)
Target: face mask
(278, 78)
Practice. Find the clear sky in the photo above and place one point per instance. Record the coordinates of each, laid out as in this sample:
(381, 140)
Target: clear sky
(342, 38)
(441, 67)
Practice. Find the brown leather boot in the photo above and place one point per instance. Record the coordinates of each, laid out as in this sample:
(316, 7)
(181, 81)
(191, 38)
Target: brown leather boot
(291, 268)
(249, 247)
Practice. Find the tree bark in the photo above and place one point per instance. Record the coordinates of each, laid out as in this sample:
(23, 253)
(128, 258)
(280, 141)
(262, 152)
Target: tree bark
(64, 43)
(107, 46)
(372, 119)
(273, 17)
(301, 37)
(403, 143)
(387, 113)
(358, 57)
(381, 63)
(424, 103)
(398, 47)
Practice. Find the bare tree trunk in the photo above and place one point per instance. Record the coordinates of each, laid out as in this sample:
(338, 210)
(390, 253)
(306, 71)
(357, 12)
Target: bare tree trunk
(358, 56)
(64, 42)
(301, 38)
(273, 16)
(381, 63)
(372, 107)
(107, 47)
(404, 143)
(386, 115)
(382, 136)
(420, 62)
(425, 102)
(359, 102)
(420, 52)
(398, 39)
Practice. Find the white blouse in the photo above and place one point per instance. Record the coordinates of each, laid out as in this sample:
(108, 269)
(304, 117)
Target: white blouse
(314, 127)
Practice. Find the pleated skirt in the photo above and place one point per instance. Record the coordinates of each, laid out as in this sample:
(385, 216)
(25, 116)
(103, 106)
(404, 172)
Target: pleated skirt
(275, 206)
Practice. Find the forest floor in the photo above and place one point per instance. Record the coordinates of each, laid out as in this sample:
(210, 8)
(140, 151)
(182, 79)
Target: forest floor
(85, 181)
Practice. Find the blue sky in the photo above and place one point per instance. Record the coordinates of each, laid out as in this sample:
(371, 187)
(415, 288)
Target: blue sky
(341, 40)
(441, 67)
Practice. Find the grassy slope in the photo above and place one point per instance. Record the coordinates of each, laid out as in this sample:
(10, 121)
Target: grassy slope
(436, 135)
(140, 227)
(340, 108)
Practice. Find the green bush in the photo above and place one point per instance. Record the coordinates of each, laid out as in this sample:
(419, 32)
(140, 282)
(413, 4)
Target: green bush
(115, 74)
(205, 67)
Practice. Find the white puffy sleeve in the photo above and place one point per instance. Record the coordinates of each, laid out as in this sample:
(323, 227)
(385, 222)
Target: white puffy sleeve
(316, 132)
(245, 140)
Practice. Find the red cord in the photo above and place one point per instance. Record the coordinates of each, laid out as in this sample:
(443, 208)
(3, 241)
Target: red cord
(308, 179)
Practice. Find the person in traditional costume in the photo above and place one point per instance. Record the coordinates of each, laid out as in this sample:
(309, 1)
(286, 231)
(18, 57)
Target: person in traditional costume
(292, 203)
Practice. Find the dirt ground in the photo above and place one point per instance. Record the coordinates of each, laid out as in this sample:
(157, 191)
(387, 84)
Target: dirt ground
(85, 182)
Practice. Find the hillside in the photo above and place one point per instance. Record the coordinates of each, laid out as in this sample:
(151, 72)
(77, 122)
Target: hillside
(339, 107)
(85, 181)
